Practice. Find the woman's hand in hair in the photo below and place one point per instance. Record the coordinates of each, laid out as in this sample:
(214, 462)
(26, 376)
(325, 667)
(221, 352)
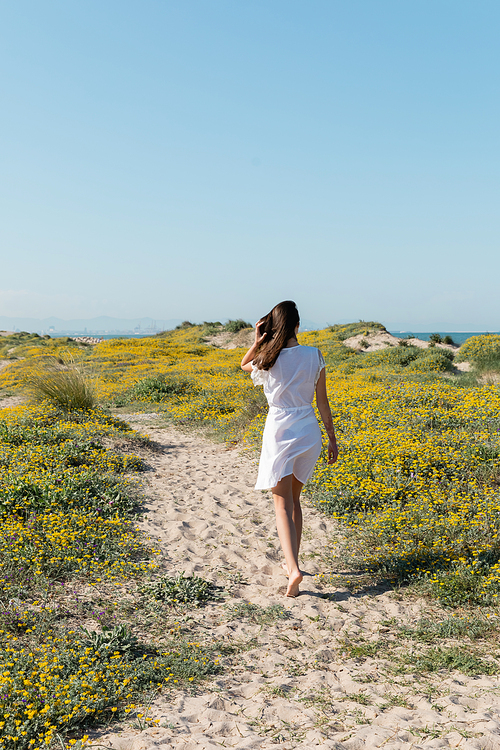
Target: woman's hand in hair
(259, 337)
(246, 362)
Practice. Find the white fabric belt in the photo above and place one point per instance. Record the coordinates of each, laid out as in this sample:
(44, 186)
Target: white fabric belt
(290, 408)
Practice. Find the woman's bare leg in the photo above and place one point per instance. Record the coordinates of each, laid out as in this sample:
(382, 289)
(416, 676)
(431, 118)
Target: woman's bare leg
(296, 514)
(284, 506)
(297, 509)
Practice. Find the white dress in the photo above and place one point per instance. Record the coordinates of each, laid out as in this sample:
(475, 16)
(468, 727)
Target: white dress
(292, 440)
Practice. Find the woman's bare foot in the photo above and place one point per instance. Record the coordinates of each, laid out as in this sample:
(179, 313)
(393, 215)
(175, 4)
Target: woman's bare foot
(294, 580)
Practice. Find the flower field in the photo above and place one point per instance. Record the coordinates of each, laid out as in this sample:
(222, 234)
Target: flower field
(67, 539)
(417, 486)
(418, 479)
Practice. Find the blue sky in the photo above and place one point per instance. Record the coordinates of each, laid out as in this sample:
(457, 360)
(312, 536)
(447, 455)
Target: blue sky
(205, 160)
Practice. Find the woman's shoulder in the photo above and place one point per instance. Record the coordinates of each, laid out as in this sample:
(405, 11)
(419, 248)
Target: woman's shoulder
(301, 351)
(310, 350)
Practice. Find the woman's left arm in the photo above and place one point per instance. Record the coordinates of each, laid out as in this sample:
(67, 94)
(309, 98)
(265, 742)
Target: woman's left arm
(246, 362)
(326, 415)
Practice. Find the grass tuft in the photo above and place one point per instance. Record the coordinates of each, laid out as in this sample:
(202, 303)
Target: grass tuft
(66, 387)
(259, 615)
(452, 658)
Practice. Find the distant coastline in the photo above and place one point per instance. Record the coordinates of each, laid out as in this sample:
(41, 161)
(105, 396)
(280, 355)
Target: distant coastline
(458, 336)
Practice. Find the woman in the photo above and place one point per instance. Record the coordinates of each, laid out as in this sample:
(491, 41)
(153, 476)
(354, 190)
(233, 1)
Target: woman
(290, 374)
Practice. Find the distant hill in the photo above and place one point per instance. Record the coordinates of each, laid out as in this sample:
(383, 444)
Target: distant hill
(100, 325)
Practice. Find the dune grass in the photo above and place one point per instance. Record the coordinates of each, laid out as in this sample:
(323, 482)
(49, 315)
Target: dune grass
(62, 384)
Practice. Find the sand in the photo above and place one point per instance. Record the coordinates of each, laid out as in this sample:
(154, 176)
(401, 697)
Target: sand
(376, 340)
(226, 340)
(8, 401)
(290, 683)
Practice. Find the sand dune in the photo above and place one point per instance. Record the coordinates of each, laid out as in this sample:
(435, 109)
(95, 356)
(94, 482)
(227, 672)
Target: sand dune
(289, 683)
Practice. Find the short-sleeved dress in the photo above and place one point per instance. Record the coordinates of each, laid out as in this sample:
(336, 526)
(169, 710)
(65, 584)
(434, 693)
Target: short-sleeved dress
(292, 441)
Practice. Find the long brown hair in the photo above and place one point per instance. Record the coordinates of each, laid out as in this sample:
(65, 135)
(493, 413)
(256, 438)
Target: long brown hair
(279, 325)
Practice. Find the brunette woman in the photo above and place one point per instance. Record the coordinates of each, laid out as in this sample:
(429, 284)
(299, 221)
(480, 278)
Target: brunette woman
(291, 374)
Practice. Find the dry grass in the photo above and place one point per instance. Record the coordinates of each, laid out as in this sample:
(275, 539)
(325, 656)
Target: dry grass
(62, 384)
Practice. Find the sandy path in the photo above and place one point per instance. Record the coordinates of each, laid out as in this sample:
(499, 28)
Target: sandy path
(8, 401)
(290, 683)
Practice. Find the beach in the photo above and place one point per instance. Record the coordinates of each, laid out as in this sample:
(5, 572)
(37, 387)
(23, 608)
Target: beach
(323, 673)
(393, 641)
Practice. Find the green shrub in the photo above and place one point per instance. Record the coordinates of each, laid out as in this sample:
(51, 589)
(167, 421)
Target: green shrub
(435, 338)
(233, 326)
(111, 640)
(158, 388)
(391, 356)
(182, 590)
(436, 361)
(210, 328)
(482, 351)
(343, 331)
(67, 388)
(489, 364)
(446, 353)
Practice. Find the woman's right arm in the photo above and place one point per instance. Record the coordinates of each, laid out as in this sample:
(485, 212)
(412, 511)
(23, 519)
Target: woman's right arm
(246, 362)
(326, 416)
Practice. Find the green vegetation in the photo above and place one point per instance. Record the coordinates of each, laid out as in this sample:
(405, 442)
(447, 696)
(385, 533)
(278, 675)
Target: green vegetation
(413, 359)
(158, 388)
(209, 328)
(63, 385)
(416, 487)
(483, 352)
(472, 627)
(67, 504)
(24, 344)
(182, 589)
(430, 647)
(450, 658)
(436, 338)
(233, 326)
(75, 679)
(259, 615)
(343, 331)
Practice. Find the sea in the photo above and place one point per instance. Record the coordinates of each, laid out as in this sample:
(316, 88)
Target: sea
(458, 337)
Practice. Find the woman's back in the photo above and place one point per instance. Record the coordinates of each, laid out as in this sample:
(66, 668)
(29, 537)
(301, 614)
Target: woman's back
(290, 382)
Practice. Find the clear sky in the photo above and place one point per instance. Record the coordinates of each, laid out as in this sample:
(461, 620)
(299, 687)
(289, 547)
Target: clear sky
(206, 159)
